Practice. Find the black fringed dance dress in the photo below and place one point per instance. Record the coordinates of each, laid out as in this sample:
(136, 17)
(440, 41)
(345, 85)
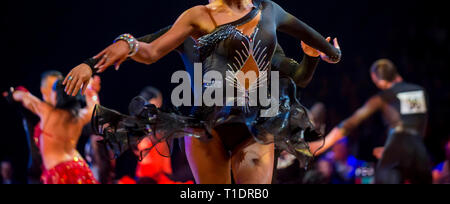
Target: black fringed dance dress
(227, 50)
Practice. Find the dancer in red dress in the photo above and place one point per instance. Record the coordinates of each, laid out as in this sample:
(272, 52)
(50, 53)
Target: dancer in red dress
(61, 127)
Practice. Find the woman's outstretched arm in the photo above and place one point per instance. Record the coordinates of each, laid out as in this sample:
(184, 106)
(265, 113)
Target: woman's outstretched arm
(117, 53)
(31, 102)
(91, 62)
(149, 53)
(291, 25)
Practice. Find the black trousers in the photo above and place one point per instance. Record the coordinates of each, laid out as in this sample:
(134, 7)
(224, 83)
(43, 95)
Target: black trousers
(405, 160)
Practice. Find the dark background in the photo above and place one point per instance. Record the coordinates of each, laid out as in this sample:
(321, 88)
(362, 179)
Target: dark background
(42, 35)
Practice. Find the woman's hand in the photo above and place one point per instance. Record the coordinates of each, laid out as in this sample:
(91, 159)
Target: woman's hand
(115, 55)
(77, 78)
(325, 57)
(19, 91)
(18, 95)
(308, 50)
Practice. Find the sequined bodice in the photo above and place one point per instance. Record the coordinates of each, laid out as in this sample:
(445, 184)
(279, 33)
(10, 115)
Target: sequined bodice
(230, 52)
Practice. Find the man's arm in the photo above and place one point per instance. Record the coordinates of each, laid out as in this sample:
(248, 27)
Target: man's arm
(372, 105)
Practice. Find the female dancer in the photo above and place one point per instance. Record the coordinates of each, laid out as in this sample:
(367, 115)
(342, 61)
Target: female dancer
(251, 160)
(61, 128)
(224, 45)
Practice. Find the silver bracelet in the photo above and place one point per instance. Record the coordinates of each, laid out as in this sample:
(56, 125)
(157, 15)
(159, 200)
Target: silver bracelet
(132, 42)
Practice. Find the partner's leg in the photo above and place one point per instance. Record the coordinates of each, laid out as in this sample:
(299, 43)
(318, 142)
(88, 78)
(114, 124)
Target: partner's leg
(253, 164)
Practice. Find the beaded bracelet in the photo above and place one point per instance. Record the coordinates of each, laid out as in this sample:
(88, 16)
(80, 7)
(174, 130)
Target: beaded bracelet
(132, 42)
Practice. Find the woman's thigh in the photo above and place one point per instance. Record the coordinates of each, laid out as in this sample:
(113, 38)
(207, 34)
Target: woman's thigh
(253, 164)
(209, 162)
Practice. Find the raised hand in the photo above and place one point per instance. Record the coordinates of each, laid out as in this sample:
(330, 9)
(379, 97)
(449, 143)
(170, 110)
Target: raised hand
(18, 95)
(325, 57)
(15, 94)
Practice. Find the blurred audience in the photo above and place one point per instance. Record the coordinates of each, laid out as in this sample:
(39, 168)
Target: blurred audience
(320, 174)
(441, 173)
(7, 172)
(343, 164)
